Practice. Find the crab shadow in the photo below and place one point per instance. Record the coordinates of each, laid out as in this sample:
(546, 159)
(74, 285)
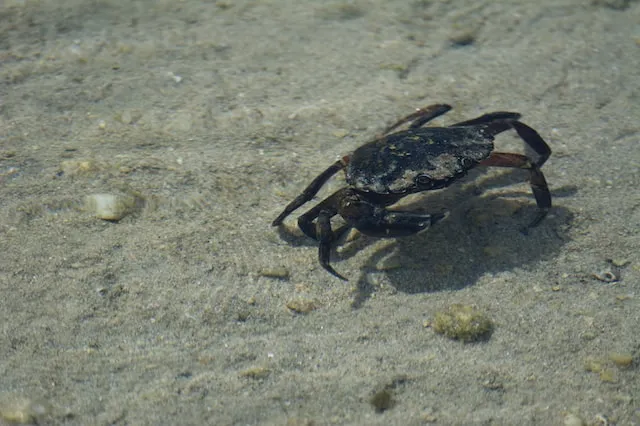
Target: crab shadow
(482, 234)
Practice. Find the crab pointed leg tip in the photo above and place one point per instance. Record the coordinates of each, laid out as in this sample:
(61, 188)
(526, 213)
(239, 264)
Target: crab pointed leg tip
(333, 272)
(340, 276)
(278, 220)
(437, 217)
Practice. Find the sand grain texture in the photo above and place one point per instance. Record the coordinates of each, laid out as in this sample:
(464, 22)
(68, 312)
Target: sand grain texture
(213, 116)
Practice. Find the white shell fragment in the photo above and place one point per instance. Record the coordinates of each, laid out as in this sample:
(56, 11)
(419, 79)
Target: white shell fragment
(109, 206)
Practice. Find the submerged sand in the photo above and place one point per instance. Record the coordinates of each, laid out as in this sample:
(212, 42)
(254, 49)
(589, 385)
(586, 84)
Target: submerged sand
(209, 117)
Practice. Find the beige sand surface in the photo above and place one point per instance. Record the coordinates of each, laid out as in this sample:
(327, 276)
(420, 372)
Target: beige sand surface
(210, 116)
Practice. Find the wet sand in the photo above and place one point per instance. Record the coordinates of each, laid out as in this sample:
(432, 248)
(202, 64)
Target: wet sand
(207, 118)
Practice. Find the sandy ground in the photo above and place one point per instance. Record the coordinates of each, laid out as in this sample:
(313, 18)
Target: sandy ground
(211, 116)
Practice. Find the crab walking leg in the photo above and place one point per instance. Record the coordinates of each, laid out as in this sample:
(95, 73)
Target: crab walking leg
(499, 121)
(490, 117)
(534, 141)
(411, 222)
(420, 117)
(326, 208)
(311, 190)
(392, 224)
(376, 221)
(316, 224)
(536, 180)
(326, 238)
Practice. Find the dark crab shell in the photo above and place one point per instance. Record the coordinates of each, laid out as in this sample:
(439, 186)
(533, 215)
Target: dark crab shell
(418, 159)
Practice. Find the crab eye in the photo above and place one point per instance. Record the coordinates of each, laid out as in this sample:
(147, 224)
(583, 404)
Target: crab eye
(424, 181)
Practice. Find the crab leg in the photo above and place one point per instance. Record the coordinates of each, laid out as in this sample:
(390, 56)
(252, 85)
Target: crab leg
(537, 181)
(393, 223)
(311, 190)
(321, 231)
(499, 121)
(324, 208)
(534, 141)
(326, 238)
(490, 117)
(420, 117)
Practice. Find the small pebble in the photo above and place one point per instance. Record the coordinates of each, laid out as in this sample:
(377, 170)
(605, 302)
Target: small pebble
(620, 263)
(593, 365)
(571, 419)
(21, 410)
(463, 37)
(606, 276)
(109, 206)
(621, 360)
(608, 376)
(463, 322)
(382, 400)
(176, 78)
(78, 167)
(341, 133)
(302, 305)
(256, 373)
(275, 272)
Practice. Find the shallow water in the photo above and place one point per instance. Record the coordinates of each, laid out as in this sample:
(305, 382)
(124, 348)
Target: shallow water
(212, 116)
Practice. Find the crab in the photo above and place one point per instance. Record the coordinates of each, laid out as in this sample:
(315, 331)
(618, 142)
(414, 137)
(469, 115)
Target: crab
(394, 165)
